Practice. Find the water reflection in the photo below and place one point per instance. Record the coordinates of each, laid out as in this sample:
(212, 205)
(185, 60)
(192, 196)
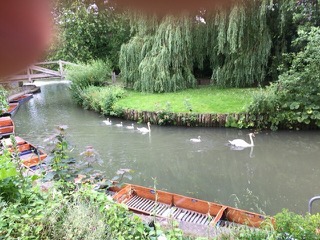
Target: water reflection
(282, 170)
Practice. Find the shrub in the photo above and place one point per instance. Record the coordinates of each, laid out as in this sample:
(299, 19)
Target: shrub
(293, 226)
(95, 73)
(294, 101)
(103, 99)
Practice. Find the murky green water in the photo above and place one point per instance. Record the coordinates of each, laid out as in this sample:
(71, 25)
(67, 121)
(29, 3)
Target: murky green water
(282, 171)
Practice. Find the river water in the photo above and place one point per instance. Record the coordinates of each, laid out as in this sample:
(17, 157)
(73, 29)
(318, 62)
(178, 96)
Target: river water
(281, 171)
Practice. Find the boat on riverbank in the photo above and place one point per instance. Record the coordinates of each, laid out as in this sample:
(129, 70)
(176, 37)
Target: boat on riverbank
(11, 111)
(147, 201)
(22, 98)
(29, 154)
(6, 127)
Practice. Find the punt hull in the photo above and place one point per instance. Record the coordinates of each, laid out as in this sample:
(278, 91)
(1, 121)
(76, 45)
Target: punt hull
(29, 155)
(6, 127)
(163, 204)
(21, 99)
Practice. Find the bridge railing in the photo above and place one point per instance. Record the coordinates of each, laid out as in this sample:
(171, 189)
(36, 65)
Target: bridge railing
(42, 70)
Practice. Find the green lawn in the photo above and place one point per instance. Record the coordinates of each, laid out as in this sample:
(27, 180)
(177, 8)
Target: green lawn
(200, 100)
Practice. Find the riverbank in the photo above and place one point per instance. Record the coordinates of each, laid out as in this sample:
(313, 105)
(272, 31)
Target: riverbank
(185, 108)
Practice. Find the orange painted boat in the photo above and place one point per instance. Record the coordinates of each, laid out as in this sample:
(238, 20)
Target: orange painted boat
(6, 127)
(163, 204)
(29, 155)
(22, 98)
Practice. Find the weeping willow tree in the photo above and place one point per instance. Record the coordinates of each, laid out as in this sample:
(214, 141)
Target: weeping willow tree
(237, 42)
(160, 61)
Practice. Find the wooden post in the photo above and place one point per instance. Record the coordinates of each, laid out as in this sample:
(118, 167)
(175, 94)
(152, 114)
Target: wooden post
(61, 70)
(113, 77)
(29, 75)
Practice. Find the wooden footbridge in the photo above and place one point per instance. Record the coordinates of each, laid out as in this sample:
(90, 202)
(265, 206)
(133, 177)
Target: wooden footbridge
(42, 70)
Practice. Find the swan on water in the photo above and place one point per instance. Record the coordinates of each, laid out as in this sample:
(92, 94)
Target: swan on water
(144, 129)
(242, 143)
(119, 124)
(107, 122)
(130, 127)
(195, 139)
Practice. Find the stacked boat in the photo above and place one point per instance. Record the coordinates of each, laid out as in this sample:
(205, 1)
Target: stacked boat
(6, 127)
(29, 154)
(14, 104)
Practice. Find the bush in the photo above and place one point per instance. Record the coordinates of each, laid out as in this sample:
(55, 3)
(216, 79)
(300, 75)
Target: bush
(103, 99)
(95, 73)
(293, 226)
(294, 101)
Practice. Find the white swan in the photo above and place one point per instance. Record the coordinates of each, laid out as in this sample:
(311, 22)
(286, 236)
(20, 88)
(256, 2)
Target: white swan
(145, 130)
(195, 139)
(107, 122)
(119, 124)
(130, 127)
(242, 143)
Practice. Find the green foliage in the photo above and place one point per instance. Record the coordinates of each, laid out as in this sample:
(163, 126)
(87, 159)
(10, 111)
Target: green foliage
(103, 99)
(160, 61)
(294, 101)
(189, 119)
(9, 180)
(95, 73)
(288, 226)
(166, 116)
(86, 33)
(294, 226)
(61, 161)
(245, 233)
(3, 100)
(239, 44)
(7, 167)
(79, 219)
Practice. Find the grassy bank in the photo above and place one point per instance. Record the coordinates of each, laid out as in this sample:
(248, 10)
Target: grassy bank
(201, 100)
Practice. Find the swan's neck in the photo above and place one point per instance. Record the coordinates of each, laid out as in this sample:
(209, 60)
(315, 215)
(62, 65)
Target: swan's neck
(251, 141)
(251, 151)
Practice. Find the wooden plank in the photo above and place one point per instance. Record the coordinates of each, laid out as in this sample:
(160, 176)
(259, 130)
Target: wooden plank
(45, 70)
(7, 130)
(218, 216)
(33, 76)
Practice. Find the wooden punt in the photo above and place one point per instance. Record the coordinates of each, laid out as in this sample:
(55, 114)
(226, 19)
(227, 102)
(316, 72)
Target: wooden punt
(21, 99)
(6, 127)
(163, 204)
(29, 155)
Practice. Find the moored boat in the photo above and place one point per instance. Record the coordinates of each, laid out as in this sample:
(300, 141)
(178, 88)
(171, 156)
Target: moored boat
(163, 204)
(11, 111)
(29, 155)
(6, 127)
(22, 98)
